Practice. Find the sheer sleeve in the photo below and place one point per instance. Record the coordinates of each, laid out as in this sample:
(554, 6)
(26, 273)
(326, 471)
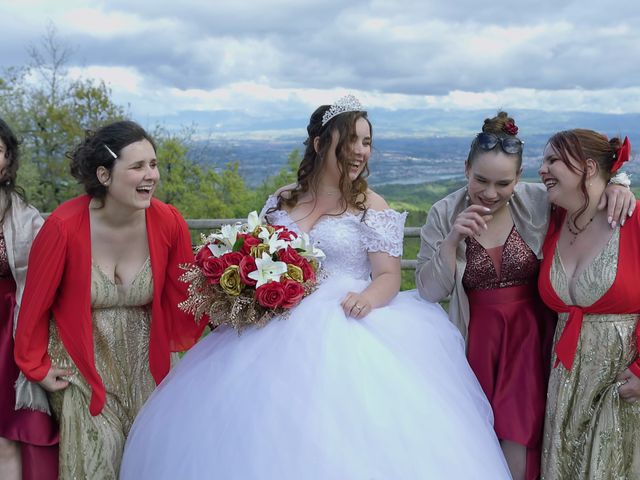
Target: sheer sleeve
(384, 231)
(272, 202)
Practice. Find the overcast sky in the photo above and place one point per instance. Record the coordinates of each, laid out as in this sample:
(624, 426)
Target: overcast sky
(264, 57)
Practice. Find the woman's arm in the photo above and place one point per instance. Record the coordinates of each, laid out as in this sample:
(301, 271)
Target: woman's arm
(385, 271)
(46, 266)
(183, 328)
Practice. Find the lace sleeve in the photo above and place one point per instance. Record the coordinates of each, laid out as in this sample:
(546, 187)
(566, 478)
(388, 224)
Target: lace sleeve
(271, 202)
(384, 231)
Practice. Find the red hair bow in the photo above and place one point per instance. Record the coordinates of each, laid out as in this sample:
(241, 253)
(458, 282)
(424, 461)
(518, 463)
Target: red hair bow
(622, 155)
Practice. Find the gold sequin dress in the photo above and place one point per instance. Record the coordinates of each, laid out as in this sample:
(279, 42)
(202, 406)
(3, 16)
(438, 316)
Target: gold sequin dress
(590, 432)
(91, 447)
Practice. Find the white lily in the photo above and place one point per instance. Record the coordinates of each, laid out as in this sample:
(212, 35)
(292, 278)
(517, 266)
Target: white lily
(228, 234)
(272, 240)
(305, 247)
(267, 270)
(218, 249)
(253, 221)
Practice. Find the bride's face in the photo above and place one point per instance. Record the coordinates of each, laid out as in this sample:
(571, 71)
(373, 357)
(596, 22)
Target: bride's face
(355, 152)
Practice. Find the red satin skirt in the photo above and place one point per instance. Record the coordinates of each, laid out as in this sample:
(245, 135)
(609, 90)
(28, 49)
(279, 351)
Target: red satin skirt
(35, 430)
(509, 349)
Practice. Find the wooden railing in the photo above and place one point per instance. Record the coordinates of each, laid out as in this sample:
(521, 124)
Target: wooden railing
(210, 223)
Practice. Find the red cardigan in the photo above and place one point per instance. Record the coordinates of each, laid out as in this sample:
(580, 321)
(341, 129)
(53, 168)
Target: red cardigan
(622, 297)
(59, 283)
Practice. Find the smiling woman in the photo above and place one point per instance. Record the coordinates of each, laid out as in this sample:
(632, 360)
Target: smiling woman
(100, 314)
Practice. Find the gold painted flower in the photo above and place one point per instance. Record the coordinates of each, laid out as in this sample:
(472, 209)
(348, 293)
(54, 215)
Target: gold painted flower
(230, 281)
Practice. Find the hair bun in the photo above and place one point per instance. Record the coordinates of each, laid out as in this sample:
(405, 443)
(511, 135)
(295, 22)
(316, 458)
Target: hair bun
(500, 124)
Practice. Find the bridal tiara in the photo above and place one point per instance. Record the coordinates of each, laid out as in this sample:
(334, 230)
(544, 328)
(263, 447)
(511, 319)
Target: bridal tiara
(348, 103)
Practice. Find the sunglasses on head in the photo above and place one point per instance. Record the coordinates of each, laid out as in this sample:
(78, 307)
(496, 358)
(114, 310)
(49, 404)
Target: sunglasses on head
(488, 141)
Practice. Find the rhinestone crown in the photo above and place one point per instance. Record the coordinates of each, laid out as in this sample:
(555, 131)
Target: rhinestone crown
(348, 103)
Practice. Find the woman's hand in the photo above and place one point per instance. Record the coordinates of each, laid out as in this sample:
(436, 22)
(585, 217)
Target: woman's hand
(52, 381)
(356, 305)
(472, 221)
(628, 386)
(620, 203)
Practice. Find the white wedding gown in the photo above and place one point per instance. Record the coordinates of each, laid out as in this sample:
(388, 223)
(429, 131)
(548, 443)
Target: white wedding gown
(318, 395)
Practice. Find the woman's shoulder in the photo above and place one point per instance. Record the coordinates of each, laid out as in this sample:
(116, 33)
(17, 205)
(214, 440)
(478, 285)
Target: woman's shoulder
(379, 212)
(70, 210)
(284, 191)
(376, 202)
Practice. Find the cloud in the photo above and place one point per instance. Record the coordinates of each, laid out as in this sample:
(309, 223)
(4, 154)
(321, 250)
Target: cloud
(261, 53)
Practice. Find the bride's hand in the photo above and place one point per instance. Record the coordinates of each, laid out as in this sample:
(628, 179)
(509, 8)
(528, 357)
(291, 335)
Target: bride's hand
(53, 382)
(356, 305)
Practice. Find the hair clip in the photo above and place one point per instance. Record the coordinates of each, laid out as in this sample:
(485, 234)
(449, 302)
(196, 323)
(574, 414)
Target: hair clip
(110, 151)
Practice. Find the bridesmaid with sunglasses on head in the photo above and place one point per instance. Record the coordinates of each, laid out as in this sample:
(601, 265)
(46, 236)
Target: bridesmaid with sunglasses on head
(481, 245)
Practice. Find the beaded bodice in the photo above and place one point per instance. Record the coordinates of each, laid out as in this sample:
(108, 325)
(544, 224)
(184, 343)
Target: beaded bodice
(347, 239)
(519, 265)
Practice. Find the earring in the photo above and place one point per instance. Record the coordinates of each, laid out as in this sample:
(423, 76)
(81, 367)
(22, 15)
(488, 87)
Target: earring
(509, 201)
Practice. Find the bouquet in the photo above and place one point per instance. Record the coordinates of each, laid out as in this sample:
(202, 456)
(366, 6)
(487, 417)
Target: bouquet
(245, 274)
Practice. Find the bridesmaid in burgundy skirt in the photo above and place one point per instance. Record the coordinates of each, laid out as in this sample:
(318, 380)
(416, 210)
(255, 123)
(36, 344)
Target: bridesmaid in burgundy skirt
(28, 436)
(510, 337)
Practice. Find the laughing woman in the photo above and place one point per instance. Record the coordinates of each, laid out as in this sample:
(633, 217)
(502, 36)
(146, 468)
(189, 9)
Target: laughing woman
(590, 276)
(100, 316)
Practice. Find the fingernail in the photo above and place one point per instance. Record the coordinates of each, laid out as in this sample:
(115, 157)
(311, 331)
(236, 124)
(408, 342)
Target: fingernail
(622, 222)
(486, 227)
(630, 212)
(609, 219)
(613, 224)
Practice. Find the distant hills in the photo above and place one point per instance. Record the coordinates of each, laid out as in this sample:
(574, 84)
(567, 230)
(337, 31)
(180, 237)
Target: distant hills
(411, 146)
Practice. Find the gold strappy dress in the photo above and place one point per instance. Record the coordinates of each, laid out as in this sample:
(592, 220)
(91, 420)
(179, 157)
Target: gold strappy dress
(91, 447)
(590, 432)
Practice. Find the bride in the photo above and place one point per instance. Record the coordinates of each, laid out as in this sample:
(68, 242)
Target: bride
(358, 382)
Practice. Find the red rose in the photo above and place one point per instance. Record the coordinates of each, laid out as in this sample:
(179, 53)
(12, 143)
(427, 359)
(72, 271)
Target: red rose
(202, 255)
(287, 235)
(249, 241)
(289, 255)
(270, 295)
(231, 258)
(307, 271)
(293, 293)
(213, 268)
(247, 265)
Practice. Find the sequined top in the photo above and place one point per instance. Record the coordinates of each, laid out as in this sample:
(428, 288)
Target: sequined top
(519, 265)
(121, 320)
(593, 282)
(5, 269)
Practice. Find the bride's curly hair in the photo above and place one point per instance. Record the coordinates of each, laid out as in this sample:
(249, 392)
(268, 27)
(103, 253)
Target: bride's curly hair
(354, 193)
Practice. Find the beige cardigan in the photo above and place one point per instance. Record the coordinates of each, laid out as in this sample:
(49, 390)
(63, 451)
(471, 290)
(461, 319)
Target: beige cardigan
(20, 226)
(435, 281)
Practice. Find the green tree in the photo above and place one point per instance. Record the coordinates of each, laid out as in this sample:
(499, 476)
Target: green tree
(51, 116)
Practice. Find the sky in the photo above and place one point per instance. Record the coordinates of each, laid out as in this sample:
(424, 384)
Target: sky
(273, 58)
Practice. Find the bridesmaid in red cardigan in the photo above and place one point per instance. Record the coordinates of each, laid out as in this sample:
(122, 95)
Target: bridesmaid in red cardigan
(589, 275)
(100, 317)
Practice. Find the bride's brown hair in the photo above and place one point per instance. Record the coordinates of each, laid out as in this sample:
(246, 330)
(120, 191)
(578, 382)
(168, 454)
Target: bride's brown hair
(354, 193)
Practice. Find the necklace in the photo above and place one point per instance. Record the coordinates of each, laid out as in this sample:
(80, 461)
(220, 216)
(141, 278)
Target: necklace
(575, 232)
(330, 193)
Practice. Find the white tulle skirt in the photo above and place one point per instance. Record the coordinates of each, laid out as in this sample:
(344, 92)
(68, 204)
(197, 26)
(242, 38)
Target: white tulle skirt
(321, 396)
